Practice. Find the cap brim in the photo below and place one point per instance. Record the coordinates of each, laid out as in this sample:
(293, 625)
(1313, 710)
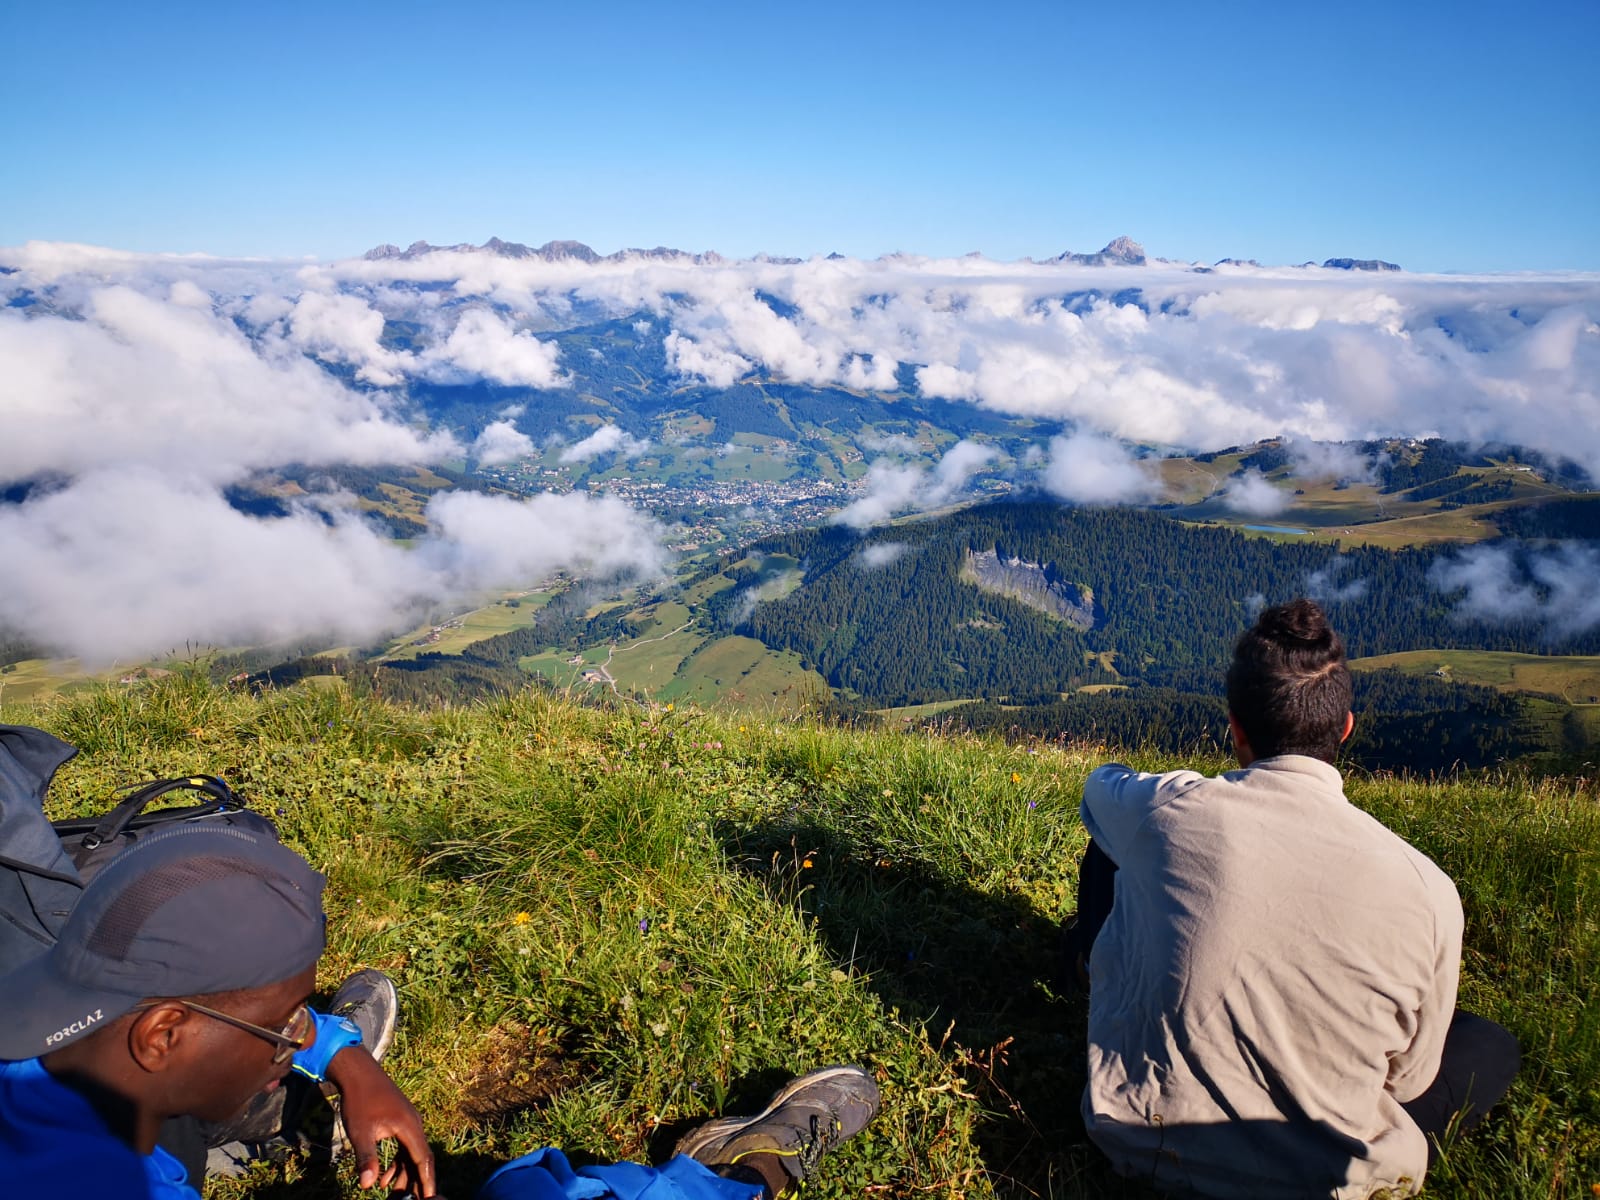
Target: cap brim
(45, 1012)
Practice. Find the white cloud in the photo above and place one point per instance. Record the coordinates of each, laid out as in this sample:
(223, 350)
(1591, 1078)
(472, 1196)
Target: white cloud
(1086, 468)
(1554, 587)
(891, 490)
(1251, 494)
(870, 374)
(501, 442)
(129, 562)
(692, 360)
(141, 380)
(605, 440)
(881, 554)
(895, 443)
(345, 329)
(1331, 461)
(483, 346)
(1324, 586)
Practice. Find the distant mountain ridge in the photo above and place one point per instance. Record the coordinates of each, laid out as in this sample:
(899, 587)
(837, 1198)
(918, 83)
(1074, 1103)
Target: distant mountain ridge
(1119, 252)
(553, 251)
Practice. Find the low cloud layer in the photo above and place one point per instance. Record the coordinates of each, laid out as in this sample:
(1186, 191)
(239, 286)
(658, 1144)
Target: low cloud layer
(1555, 587)
(882, 554)
(1251, 494)
(893, 490)
(608, 439)
(1160, 354)
(130, 562)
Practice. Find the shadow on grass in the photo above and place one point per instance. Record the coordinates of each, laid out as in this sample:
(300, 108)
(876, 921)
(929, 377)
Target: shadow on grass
(979, 971)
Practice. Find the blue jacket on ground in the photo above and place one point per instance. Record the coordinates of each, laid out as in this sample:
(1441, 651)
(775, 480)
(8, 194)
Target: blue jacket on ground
(546, 1175)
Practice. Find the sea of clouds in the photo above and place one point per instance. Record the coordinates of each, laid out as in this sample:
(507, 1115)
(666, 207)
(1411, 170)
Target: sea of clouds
(145, 385)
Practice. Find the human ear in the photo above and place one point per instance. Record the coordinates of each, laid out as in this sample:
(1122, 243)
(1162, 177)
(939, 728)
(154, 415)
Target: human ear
(1241, 744)
(1349, 724)
(158, 1034)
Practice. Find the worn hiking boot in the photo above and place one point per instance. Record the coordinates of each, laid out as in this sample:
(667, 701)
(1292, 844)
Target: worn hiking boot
(805, 1119)
(368, 999)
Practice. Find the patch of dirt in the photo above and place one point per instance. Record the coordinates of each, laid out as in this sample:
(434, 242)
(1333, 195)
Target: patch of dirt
(513, 1068)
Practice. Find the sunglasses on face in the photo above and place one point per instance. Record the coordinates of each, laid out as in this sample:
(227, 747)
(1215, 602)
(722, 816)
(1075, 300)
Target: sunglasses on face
(292, 1038)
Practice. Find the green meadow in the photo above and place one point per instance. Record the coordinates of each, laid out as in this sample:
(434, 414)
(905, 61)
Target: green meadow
(610, 922)
(1574, 678)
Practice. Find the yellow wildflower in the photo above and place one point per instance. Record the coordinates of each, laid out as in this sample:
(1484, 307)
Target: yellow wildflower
(522, 918)
(1015, 778)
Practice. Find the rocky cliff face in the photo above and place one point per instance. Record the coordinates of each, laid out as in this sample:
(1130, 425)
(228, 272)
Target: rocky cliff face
(1038, 585)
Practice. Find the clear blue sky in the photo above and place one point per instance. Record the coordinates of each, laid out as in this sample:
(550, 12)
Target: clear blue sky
(1443, 135)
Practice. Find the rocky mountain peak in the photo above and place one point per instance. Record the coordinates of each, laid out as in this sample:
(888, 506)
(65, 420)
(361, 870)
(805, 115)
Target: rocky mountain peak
(1360, 264)
(1119, 252)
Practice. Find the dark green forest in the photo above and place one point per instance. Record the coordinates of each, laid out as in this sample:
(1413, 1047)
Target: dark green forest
(1403, 722)
(1167, 595)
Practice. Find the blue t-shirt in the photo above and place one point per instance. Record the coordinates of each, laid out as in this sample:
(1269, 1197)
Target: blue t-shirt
(53, 1143)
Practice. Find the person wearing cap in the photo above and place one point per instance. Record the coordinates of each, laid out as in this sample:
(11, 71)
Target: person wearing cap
(178, 987)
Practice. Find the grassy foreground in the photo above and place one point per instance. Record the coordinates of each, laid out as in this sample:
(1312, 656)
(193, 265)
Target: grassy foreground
(607, 924)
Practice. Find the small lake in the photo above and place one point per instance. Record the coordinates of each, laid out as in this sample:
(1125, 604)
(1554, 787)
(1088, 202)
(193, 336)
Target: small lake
(1276, 529)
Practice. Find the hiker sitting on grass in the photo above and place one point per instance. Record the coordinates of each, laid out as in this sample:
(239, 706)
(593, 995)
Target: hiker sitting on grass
(1273, 984)
(178, 986)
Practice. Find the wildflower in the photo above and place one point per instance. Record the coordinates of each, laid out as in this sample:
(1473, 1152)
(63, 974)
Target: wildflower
(644, 925)
(1033, 804)
(806, 865)
(522, 918)
(669, 707)
(888, 791)
(1015, 778)
(741, 729)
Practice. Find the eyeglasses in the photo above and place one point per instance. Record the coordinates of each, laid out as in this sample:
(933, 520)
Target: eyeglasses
(292, 1038)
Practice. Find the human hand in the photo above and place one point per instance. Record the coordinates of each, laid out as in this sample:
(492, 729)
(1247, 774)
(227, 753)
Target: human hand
(373, 1110)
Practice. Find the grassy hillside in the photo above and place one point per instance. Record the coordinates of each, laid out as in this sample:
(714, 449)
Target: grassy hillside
(607, 924)
(1573, 677)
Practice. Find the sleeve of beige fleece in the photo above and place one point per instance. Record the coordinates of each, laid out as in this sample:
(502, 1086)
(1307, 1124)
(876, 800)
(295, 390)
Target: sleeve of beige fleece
(1415, 1068)
(1116, 800)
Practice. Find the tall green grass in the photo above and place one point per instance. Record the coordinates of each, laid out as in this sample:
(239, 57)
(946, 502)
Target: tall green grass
(610, 923)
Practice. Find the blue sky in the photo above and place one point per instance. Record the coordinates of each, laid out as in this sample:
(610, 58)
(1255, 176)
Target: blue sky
(1444, 136)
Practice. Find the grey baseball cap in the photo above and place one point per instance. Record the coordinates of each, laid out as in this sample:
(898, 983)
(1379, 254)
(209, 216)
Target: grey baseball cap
(192, 910)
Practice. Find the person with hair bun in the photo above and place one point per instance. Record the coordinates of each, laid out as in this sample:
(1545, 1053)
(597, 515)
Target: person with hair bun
(1272, 973)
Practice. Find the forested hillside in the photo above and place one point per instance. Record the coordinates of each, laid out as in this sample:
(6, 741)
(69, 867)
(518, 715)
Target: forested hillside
(901, 626)
(1404, 723)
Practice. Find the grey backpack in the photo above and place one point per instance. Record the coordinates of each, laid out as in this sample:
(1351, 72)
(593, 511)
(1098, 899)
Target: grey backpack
(45, 865)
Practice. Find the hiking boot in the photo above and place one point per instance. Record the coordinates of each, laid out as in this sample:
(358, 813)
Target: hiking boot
(368, 999)
(805, 1119)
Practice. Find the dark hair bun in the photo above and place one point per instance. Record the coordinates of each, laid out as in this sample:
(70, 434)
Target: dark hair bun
(1299, 622)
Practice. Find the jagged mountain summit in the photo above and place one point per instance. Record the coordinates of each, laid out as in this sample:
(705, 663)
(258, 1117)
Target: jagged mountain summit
(1119, 252)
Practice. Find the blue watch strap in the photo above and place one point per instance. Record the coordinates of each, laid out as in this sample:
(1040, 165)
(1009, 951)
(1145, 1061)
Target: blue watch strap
(333, 1035)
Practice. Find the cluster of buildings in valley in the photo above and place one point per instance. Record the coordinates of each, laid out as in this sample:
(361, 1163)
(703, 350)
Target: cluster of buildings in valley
(704, 512)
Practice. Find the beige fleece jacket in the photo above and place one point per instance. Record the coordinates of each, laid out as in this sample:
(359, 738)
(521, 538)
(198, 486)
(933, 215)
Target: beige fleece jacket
(1277, 974)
